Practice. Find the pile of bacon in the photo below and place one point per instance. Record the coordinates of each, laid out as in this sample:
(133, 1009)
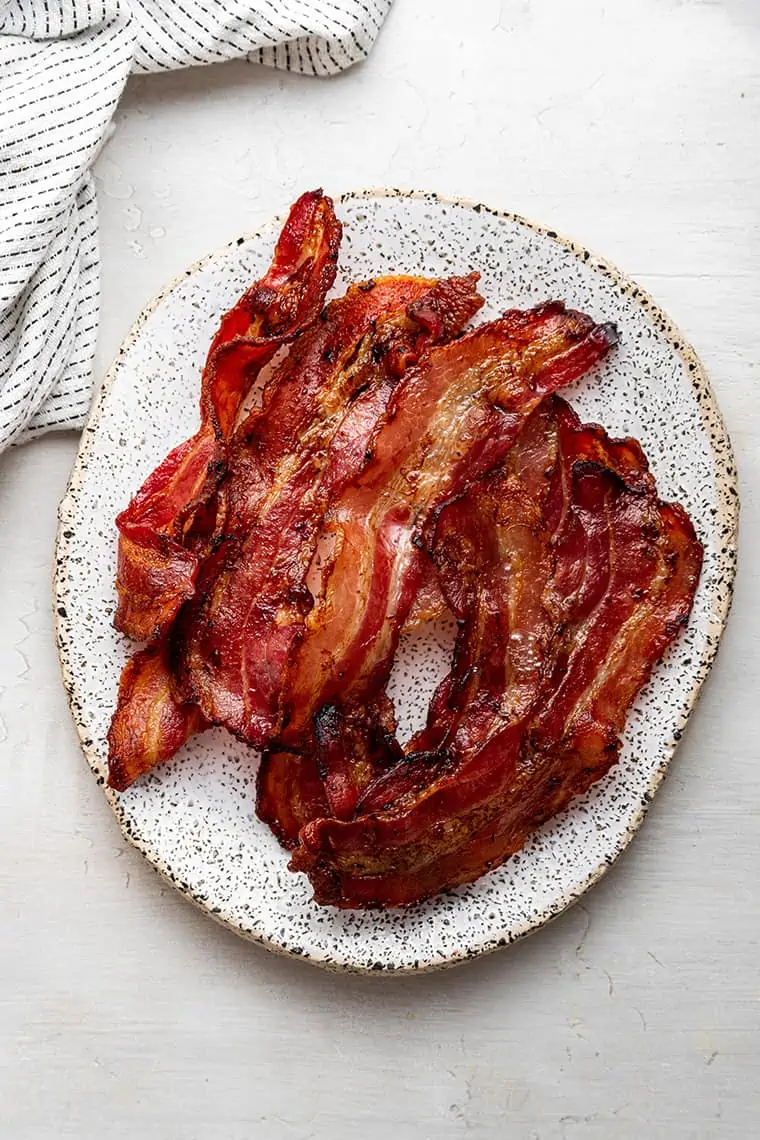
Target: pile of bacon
(395, 467)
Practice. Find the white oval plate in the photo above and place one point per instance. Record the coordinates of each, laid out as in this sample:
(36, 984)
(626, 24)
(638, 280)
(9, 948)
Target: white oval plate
(193, 818)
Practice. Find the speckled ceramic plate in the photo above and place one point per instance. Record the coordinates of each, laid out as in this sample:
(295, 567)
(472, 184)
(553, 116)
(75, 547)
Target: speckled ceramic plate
(193, 819)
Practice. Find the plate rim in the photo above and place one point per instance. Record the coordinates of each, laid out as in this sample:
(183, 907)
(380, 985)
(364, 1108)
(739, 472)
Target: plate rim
(726, 478)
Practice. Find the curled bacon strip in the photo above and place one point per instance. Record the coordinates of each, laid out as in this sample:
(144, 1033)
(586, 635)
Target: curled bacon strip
(158, 556)
(237, 643)
(582, 582)
(395, 467)
(149, 725)
(452, 418)
(286, 459)
(289, 794)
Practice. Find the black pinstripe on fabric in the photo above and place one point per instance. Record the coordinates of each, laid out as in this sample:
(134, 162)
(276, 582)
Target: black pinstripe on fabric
(42, 70)
(61, 93)
(63, 64)
(311, 56)
(30, 394)
(318, 11)
(209, 28)
(177, 7)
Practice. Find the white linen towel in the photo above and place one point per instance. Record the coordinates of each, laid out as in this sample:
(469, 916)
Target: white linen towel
(63, 66)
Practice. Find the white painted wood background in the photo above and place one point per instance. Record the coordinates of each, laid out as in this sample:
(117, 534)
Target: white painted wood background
(126, 1014)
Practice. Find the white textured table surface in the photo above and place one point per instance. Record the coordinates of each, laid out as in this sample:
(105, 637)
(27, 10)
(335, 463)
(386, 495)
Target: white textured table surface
(123, 1012)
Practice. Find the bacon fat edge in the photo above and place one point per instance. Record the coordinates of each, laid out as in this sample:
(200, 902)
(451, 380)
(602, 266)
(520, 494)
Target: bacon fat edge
(249, 617)
(158, 553)
(584, 581)
(286, 458)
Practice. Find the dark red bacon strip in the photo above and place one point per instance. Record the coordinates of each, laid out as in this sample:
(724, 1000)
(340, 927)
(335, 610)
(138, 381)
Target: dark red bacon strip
(466, 544)
(390, 472)
(353, 749)
(289, 794)
(318, 410)
(577, 599)
(149, 725)
(453, 417)
(158, 556)
(239, 640)
(303, 406)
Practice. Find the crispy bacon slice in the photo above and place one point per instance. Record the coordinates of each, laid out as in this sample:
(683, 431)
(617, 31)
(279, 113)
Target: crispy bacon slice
(461, 550)
(387, 475)
(294, 789)
(355, 353)
(353, 749)
(158, 556)
(149, 725)
(350, 756)
(389, 319)
(289, 794)
(584, 581)
(450, 420)
(429, 603)
(495, 561)
(548, 554)
(238, 640)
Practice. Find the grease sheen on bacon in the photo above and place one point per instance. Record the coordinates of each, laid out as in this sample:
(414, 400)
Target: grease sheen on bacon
(159, 538)
(236, 642)
(451, 419)
(285, 460)
(584, 580)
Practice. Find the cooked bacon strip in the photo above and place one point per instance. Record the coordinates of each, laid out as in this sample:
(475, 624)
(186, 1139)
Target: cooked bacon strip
(158, 556)
(344, 758)
(364, 340)
(289, 794)
(429, 603)
(353, 750)
(546, 670)
(461, 550)
(239, 639)
(290, 789)
(389, 318)
(450, 420)
(494, 555)
(148, 725)
(556, 555)
(303, 405)
(350, 755)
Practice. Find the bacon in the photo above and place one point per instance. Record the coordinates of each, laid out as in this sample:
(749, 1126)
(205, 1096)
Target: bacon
(389, 319)
(583, 582)
(450, 420)
(149, 725)
(160, 542)
(391, 473)
(303, 404)
(353, 749)
(355, 353)
(237, 643)
(344, 757)
(289, 794)
(494, 559)
(429, 603)
(464, 531)
(350, 754)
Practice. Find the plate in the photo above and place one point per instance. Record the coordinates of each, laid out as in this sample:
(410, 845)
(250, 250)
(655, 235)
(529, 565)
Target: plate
(193, 818)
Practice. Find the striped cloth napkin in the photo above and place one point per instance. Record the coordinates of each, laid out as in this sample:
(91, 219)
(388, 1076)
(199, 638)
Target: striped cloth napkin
(63, 66)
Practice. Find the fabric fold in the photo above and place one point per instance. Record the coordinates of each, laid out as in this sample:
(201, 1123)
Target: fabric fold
(63, 67)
